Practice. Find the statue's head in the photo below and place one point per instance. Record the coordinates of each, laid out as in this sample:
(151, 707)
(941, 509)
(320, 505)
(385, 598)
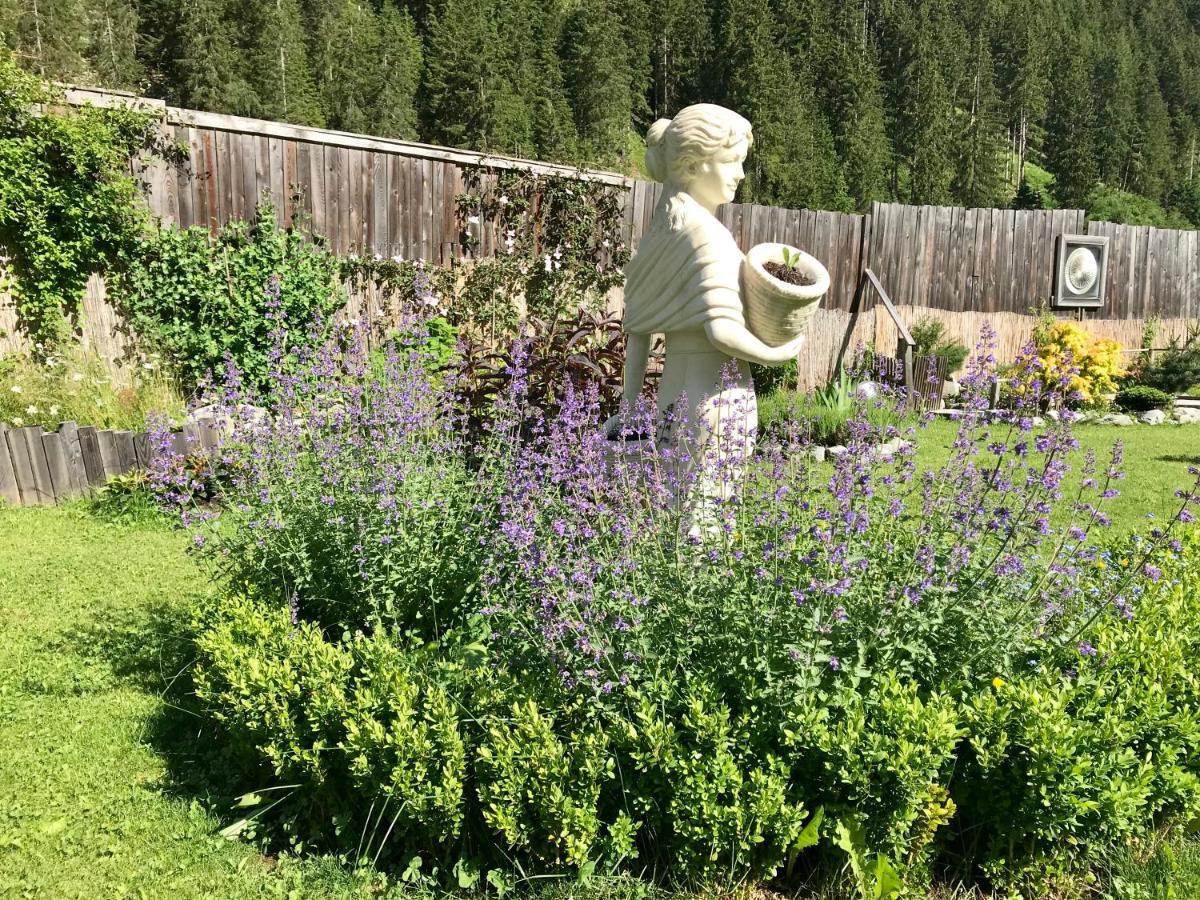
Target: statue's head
(700, 151)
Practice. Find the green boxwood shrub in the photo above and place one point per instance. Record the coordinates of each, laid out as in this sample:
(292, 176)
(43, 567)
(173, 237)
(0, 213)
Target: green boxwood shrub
(1142, 397)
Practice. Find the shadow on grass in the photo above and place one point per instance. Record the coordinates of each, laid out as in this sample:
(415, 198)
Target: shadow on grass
(1190, 459)
(150, 650)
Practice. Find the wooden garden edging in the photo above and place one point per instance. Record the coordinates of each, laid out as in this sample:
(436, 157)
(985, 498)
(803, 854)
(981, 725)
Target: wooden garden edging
(41, 468)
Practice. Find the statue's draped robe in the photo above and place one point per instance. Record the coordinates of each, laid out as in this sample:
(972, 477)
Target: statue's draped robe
(686, 272)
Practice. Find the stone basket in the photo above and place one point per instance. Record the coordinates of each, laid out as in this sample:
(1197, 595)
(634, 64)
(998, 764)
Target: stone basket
(777, 311)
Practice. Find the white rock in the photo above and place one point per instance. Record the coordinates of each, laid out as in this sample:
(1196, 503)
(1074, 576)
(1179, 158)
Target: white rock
(1187, 415)
(836, 450)
(817, 453)
(1152, 417)
(1119, 419)
(1038, 421)
(868, 390)
(951, 389)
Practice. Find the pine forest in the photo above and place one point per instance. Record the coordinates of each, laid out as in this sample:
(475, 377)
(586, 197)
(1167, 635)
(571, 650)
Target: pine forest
(1028, 103)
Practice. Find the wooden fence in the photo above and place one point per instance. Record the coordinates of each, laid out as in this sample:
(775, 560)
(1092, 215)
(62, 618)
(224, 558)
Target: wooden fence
(41, 468)
(397, 198)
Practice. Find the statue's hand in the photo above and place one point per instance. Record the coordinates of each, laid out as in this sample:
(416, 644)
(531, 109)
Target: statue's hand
(785, 353)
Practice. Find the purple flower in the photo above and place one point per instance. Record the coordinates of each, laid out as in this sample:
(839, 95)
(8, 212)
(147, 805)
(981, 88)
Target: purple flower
(1086, 649)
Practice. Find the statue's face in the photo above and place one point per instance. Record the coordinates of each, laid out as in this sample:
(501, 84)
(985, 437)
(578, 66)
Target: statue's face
(716, 180)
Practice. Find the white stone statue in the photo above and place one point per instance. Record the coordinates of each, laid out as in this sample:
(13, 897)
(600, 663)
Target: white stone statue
(684, 282)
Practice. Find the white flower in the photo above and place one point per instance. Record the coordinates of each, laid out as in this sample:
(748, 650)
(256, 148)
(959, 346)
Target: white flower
(18, 421)
(147, 365)
(53, 410)
(353, 321)
(503, 201)
(558, 252)
(473, 220)
(549, 263)
(31, 409)
(16, 389)
(378, 257)
(51, 362)
(77, 376)
(397, 258)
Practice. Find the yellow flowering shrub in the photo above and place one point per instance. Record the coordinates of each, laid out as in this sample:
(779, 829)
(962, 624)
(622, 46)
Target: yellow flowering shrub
(1064, 348)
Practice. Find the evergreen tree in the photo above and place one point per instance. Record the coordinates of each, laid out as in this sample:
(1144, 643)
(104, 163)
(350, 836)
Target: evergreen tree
(793, 161)
(599, 80)
(849, 72)
(49, 37)
(1152, 158)
(471, 91)
(195, 57)
(979, 142)
(347, 64)
(1022, 55)
(923, 69)
(277, 63)
(1116, 89)
(400, 62)
(112, 44)
(532, 32)
(682, 55)
(1071, 135)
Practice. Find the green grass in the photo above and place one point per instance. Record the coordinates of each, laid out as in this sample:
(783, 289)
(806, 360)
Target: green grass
(94, 798)
(1156, 463)
(111, 787)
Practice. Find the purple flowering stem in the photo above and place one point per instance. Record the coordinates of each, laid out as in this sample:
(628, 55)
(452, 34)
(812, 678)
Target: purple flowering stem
(1152, 545)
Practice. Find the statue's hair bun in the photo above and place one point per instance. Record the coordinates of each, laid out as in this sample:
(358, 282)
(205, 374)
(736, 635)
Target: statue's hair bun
(656, 163)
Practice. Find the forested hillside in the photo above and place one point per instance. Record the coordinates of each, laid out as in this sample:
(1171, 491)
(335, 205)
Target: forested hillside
(925, 101)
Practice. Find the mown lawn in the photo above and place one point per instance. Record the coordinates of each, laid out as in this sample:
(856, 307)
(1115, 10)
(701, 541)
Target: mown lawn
(111, 787)
(1156, 462)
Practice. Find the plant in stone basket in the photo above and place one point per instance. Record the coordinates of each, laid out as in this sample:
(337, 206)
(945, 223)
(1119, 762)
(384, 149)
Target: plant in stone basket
(781, 290)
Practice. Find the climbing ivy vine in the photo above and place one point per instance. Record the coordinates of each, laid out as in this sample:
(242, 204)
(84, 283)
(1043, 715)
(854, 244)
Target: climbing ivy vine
(69, 205)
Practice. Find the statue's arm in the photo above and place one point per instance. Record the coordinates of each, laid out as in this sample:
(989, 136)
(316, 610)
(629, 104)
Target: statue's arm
(637, 356)
(734, 339)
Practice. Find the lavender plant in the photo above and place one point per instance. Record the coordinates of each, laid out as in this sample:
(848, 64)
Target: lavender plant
(609, 680)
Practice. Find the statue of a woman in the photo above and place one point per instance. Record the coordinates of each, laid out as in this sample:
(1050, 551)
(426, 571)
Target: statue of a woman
(684, 282)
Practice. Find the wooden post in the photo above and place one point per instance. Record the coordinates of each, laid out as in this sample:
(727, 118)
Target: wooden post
(141, 446)
(75, 467)
(56, 465)
(8, 478)
(29, 465)
(126, 455)
(110, 454)
(907, 344)
(93, 460)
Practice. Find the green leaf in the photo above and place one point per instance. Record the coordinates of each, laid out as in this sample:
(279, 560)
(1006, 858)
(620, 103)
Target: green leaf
(888, 882)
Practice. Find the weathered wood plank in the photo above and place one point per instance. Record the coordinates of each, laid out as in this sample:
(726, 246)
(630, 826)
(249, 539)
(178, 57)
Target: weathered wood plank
(30, 466)
(316, 185)
(126, 454)
(56, 465)
(397, 206)
(210, 192)
(353, 194)
(141, 447)
(110, 453)
(93, 459)
(291, 181)
(75, 468)
(185, 179)
(9, 492)
(18, 452)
